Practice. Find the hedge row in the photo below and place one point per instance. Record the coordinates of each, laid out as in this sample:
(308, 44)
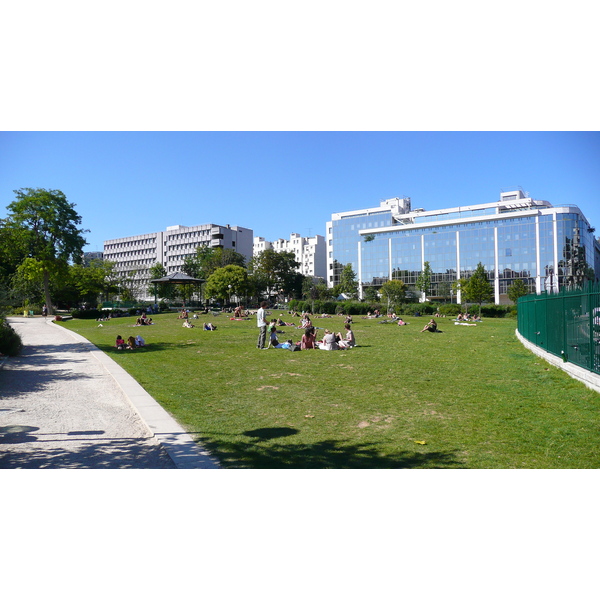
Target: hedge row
(350, 307)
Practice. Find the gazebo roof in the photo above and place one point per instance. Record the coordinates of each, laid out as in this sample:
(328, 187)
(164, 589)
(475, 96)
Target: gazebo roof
(177, 278)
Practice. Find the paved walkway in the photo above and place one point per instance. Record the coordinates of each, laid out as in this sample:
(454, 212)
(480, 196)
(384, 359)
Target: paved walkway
(66, 404)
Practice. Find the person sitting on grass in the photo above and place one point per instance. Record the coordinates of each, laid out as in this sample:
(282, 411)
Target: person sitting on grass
(349, 341)
(305, 323)
(401, 322)
(140, 342)
(187, 324)
(308, 341)
(272, 331)
(130, 343)
(208, 327)
(431, 326)
(120, 343)
(328, 342)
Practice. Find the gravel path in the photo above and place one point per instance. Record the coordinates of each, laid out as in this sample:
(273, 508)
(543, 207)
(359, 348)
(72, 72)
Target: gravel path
(61, 408)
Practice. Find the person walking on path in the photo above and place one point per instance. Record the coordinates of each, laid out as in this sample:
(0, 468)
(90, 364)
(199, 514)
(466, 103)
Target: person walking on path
(261, 323)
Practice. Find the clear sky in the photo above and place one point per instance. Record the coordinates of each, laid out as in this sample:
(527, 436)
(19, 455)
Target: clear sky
(276, 183)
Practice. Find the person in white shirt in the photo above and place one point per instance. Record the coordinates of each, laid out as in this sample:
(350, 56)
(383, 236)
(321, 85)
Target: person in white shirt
(261, 323)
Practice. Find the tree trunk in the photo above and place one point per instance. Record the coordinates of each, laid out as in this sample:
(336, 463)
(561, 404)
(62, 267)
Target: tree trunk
(47, 292)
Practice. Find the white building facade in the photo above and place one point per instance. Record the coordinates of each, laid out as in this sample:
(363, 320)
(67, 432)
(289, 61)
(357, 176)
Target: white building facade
(310, 252)
(135, 255)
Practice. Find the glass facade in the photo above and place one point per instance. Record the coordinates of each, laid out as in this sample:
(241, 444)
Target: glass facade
(538, 248)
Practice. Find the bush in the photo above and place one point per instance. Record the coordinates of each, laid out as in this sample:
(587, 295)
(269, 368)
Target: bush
(422, 308)
(450, 310)
(494, 310)
(10, 341)
(353, 307)
(92, 313)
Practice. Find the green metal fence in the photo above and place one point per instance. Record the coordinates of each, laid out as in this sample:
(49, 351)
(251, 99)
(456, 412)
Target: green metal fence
(566, 324)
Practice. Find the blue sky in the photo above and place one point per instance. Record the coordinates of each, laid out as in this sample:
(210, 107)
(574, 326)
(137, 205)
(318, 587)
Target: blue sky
(276, 183)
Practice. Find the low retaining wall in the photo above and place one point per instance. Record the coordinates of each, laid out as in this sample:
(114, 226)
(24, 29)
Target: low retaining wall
(587, 377)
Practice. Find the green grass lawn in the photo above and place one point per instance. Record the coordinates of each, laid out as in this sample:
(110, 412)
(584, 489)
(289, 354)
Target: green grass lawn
(473, 395)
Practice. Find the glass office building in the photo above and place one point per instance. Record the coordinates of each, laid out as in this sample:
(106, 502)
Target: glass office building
(515, 238)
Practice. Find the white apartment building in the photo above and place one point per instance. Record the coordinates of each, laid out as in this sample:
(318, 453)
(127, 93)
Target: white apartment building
(310, 252)
(133, 256)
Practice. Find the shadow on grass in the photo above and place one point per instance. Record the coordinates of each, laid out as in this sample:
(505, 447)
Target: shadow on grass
(326, 454)
(269, 433)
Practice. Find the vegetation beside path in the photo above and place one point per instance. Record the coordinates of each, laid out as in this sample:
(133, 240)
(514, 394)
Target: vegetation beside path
(470, 397)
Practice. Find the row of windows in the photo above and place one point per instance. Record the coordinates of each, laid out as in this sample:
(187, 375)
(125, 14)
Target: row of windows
(128, 245)
(515, 240)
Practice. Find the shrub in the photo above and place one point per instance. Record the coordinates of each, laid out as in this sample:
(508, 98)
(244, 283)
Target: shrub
(329, 307)
(494, 310)
(10, 341)
(450, 310)
(418, 307)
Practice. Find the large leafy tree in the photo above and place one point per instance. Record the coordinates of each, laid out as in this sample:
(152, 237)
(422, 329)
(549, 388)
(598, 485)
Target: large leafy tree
(275, 273)
(207, 260)
(477, 288)
(44, 227)
(94, 280)
(227, 281)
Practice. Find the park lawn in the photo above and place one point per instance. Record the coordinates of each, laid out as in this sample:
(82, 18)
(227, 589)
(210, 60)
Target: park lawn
(470, 397)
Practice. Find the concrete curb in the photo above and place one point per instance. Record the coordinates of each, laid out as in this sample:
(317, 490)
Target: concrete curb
(179, 445)
(592, 380)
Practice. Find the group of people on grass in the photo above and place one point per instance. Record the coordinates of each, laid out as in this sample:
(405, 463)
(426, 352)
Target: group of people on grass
(330, 341)
(467, 317)
(131, 343)
(309, 341)
(205, 326)
(143, 320)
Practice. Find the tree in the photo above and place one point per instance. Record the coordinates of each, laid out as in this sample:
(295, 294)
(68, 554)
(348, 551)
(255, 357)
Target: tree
(94, 280)
(477, 288)
(275, 273)
(370, 294)
(227, 281)
(208, 260)
(393, 292)
(348, 283)
(162, 290)
(43, 225)
(444, 290)
(516, 290)
(423, 282)
(133, 282)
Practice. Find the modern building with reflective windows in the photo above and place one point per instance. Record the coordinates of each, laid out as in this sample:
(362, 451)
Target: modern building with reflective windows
(546, 246)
